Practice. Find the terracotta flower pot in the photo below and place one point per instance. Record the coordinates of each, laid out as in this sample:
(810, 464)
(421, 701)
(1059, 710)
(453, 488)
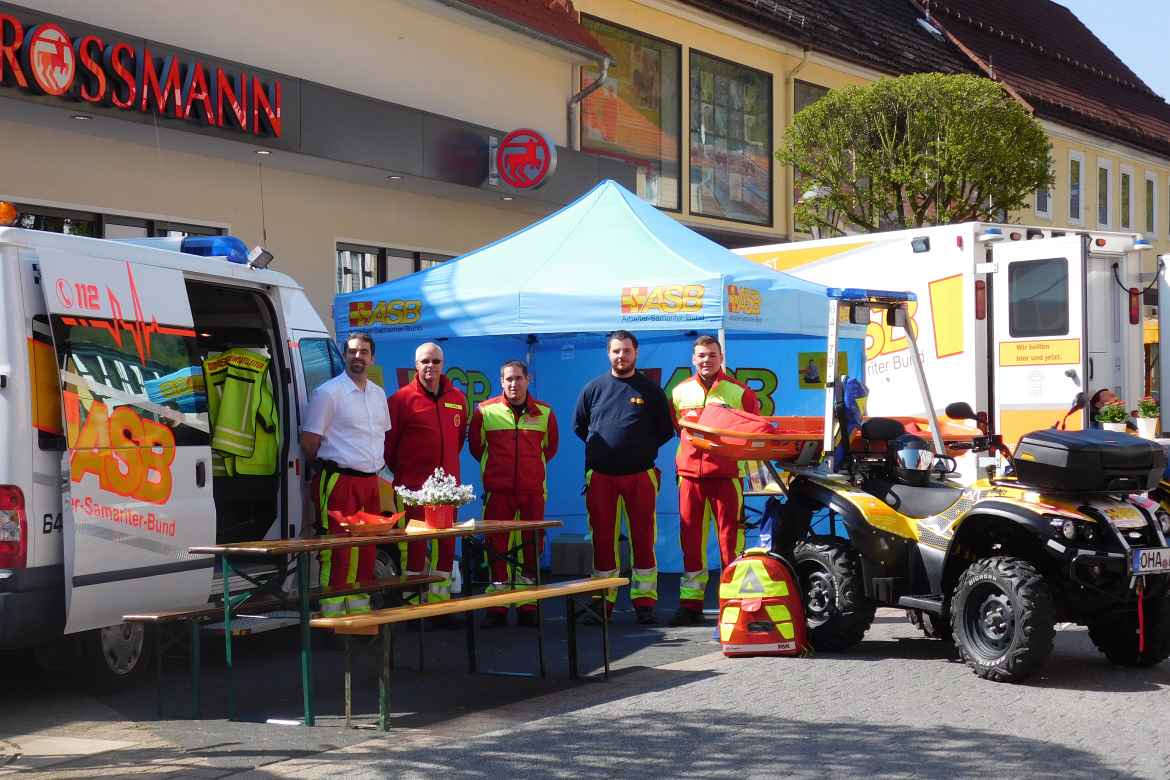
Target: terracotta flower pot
(439, 515)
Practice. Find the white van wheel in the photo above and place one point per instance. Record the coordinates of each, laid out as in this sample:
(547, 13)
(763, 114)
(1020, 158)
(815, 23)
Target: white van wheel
(117, 655)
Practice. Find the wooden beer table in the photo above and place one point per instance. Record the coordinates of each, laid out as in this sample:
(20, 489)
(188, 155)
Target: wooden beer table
(301, 549)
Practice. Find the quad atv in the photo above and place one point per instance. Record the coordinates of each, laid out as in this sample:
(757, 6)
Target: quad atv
(1065, 534)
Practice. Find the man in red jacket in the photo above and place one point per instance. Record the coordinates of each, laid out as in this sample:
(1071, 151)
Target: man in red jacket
(707, 486)
(429, 418)
(513, 436)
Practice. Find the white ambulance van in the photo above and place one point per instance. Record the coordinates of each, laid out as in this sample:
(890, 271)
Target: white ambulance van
(106, 470)
(1013, 320)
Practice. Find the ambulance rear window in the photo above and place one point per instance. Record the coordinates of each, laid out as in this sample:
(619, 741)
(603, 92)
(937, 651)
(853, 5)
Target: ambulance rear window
(1038, 298)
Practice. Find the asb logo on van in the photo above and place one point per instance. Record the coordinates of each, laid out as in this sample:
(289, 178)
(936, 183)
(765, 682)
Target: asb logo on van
(743, 301)
(665, 301)
(365, 314)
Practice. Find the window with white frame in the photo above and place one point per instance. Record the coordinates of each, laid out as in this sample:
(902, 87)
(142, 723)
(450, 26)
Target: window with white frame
(1104, 191)
(1151, 209)
(1043, 204)
(1127, 197)
(1076, 168)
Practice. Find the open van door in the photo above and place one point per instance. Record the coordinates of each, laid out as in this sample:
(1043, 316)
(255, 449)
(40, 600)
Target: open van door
(1039, 339)
(137, 470)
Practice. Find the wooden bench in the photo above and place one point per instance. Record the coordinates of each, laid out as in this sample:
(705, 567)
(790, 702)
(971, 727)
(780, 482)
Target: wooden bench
(196, 616)
(379, 621)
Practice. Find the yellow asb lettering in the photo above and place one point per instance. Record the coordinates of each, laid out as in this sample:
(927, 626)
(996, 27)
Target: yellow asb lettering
(879, 337)
(396, 312)
(666, 299)
(743, 300)
(130, 455)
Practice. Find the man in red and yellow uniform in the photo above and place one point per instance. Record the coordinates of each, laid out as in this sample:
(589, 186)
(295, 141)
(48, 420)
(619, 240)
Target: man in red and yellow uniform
(513, 436)
(429, 418)
(708, 487)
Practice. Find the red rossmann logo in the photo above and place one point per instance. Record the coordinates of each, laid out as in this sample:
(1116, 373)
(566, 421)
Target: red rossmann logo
(526, 158)
(49, 56)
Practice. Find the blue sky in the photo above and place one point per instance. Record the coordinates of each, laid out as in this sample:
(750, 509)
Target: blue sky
(1138, 31)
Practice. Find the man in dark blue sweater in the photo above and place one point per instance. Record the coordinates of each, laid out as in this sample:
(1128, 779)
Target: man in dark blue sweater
(623, 418)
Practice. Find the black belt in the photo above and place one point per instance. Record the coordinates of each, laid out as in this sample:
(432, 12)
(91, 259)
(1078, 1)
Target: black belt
(333, 467)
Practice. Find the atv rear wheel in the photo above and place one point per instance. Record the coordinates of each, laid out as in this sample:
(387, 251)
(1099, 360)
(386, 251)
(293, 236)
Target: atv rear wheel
(1002, 618)
(829, 573)
(1117, 635)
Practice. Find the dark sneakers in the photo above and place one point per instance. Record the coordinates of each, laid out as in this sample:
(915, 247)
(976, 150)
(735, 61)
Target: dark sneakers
(646, 616)
(687, 617)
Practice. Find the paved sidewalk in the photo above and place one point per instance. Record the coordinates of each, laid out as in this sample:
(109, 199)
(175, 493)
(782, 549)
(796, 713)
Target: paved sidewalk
(897, 706)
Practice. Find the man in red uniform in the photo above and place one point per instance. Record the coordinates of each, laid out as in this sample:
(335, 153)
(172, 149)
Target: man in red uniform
(343, 432)
(429, 418)
(708, 487)
(513, 436)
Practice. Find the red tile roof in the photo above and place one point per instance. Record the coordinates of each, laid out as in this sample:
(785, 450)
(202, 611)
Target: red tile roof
(1043, 53)
(555, 20)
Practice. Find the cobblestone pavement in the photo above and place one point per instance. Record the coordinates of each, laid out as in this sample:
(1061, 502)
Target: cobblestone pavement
(897, 706)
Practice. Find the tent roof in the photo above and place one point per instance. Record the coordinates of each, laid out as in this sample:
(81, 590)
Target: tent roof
(606, 260)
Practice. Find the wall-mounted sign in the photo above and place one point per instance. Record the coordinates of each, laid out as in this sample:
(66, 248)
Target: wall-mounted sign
(46, 59)
(526, 158)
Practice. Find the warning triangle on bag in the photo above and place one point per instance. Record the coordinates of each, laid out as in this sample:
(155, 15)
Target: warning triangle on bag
(750, 584)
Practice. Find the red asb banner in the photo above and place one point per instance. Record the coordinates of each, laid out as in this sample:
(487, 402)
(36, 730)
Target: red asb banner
(45, 60)
(526, 158)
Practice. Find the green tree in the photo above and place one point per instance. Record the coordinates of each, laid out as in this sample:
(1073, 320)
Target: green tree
(925, 149)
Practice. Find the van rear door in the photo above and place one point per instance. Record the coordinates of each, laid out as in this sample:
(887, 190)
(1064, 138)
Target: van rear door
(137, 470)
(1039, 333)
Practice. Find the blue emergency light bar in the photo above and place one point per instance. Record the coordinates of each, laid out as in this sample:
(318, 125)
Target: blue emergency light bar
(230, 247)
(861, 295)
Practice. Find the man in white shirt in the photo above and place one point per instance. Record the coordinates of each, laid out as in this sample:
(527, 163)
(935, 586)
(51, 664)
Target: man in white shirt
(345, 430)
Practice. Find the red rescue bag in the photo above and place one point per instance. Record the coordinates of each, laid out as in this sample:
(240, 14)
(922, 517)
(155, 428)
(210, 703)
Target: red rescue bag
(760, 607)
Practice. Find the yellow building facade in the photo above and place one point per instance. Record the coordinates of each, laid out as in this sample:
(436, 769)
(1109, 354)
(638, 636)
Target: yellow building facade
(1112, 185)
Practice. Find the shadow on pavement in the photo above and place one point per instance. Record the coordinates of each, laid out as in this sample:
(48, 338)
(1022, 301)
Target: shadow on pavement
(716, 743)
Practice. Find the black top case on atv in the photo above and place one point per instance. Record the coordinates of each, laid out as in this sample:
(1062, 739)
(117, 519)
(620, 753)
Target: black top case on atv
(1092, 461)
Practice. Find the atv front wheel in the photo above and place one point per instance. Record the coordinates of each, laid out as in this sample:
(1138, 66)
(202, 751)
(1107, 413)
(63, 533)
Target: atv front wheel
(1117, 635)
(829, 573)
(1002, 618)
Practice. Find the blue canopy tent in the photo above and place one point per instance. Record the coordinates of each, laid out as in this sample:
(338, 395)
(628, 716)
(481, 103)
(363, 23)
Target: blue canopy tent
(545, 294)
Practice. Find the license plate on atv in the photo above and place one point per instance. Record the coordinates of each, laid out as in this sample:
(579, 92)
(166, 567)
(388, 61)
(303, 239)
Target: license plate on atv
(1151, 560)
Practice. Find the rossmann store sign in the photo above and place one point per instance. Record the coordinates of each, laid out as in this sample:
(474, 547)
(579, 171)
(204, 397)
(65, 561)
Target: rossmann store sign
(65, 61)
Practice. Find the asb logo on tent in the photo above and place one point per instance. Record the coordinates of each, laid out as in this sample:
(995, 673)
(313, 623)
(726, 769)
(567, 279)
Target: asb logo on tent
(743, 300)
(364, 314)
(665, 299)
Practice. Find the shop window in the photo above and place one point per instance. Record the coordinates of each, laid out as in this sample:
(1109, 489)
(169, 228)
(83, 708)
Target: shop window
(1126, 198)
(1076, 164)
(1104, 187)
(359, 267)
(71, 223)
(805, 94)
(636, 115)
(1038, 298)
(731, 141)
